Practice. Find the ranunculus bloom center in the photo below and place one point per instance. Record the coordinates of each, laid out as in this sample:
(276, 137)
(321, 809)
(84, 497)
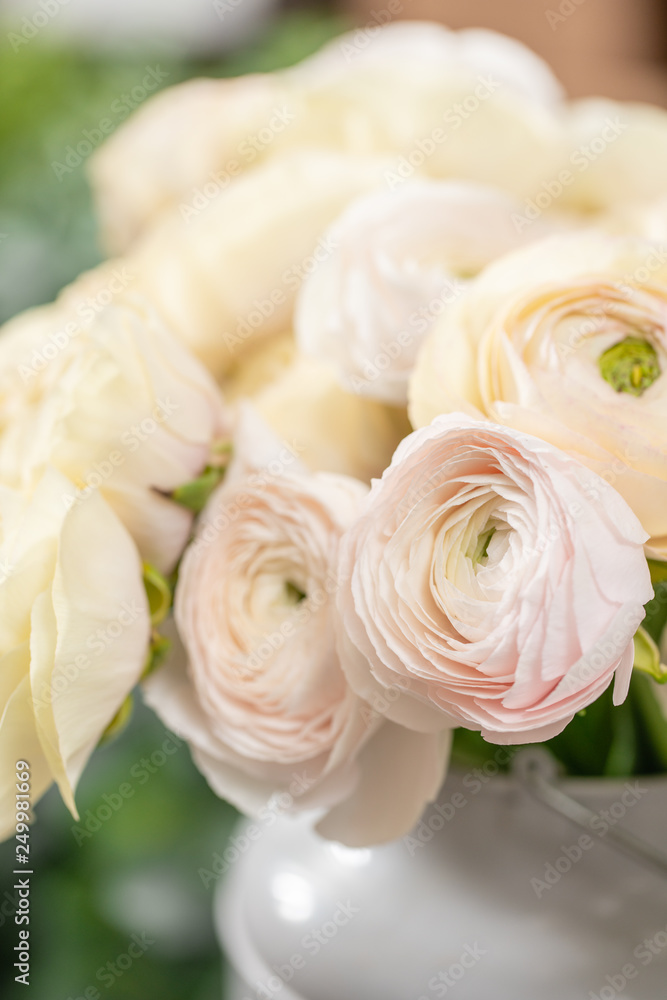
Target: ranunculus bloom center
(630, 366)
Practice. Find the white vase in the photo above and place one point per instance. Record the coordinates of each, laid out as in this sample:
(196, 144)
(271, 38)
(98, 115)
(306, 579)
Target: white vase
(493, 897)
(191, 26)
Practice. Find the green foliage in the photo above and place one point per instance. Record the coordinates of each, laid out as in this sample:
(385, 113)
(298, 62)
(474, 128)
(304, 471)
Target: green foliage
(656, 612)
(195, 494)
(606, 740)
(647, 657)
(120, 721)
(158, 651)
(158, 593)
(48, 96)
(138, 871)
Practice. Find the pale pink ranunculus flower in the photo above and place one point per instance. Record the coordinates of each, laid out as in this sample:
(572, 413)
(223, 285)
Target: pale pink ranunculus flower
(263, 700)
(495, 579)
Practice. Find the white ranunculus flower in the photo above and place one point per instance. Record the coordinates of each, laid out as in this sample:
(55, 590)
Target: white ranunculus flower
(566, 339)
(116, 404)
(472, 104)
(196, 134)
(263, 700)
(259, 366)
(229, 272)
(301, 400)
(74, 631)
(645, 219)
(425, 47)
(336, 431)
(401, 259)
(617, 152)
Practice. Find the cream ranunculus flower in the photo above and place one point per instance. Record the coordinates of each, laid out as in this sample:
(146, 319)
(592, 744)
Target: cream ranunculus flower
(470, 104)
(301, 401)
(335, 431)
(116, 404)
(401, 258)
(644, 219)
(74, 631)
(261, 364)
(425, 47)
(493, 580)
(263, 700)
(617, 152)
(198, 132)
(230, 274)
(567, 340)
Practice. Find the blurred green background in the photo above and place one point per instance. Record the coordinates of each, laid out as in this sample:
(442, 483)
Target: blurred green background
(48, 95)
(137, 873)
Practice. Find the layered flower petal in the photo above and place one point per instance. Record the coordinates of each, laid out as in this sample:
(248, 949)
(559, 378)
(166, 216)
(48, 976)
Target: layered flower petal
(493, 582)
(566, 339)
(263, 699)
(117, 405)
(74, 635)
(401, 258)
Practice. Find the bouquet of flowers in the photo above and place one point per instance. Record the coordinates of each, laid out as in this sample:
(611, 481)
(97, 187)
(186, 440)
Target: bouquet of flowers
(356, 442)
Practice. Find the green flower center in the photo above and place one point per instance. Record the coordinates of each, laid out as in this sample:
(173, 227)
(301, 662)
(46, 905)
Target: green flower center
(630, 366)
(294, 594)
(482, 548)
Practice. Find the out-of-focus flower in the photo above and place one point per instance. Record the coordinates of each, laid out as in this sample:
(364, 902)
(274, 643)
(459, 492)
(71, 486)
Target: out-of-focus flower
(230, 274)
(336, 430)
(472, 104)
(401, 259)
(617, 153)
(172, 144)
(117, 405)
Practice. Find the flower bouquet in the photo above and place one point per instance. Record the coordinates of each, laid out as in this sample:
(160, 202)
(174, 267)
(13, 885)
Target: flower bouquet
(354, 450)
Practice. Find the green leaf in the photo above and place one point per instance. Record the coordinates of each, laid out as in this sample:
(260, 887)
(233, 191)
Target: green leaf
(158, 652)
(653, 724)
(470, 750)
(119, 722)
(658, 571)
(656, 612)
(647, 657)
(583, 746)
(622, 757)
(158, 592)
(195, 494)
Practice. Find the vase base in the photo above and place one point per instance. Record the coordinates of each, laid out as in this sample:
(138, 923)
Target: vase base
(492, 895)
